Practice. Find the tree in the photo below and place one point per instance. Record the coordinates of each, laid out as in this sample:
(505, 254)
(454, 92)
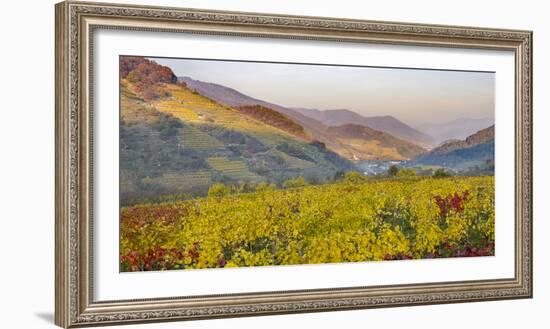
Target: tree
(441, 173)
(393, 170)
(218, 190)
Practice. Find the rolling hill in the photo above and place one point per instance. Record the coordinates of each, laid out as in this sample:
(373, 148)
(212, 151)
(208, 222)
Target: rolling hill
(386, 124)
(176, 140)
(234, 98)
(477, 150)
(365, 143)
(356, 148)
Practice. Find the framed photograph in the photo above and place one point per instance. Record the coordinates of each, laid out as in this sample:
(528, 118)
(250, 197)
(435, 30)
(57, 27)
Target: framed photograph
(219, 164)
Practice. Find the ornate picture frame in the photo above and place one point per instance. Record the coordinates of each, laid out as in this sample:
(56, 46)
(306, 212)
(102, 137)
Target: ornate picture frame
(76, 22)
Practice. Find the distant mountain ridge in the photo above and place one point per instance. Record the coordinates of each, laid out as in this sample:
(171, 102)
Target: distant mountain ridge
(456, 129)
(480, 137)
(387, 123)
(477, 149)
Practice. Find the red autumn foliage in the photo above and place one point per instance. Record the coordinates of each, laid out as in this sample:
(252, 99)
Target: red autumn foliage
(221, 261)
(272, 118)
(145, 74)
(136, 217)
(193, 251)
(159, 259)
(447, 250)
(128, 63)
(153, 260)
(451, 202)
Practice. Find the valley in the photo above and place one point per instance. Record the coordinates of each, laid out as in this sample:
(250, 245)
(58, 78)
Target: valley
(211, 177)
(179, 136)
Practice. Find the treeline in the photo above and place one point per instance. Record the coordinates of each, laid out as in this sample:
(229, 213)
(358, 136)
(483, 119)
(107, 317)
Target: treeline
(272, 118)
(352, 177)
(226, 188)
(395, 171)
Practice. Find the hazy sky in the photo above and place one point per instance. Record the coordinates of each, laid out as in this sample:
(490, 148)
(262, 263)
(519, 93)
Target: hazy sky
(413, 96)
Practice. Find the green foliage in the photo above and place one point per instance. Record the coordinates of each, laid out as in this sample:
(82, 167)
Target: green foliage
(406, 172)
(218, 190)
(295, 182)
(354, 177)
(441, 173)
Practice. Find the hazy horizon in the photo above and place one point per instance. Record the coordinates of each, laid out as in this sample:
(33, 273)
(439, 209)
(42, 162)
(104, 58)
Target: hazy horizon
(414, 96)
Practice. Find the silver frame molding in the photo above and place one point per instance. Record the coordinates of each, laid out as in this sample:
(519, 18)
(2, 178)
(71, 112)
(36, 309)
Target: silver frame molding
(75, 24)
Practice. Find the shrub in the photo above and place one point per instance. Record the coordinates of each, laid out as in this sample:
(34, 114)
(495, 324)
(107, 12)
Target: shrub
(218, 190)
(295, 182)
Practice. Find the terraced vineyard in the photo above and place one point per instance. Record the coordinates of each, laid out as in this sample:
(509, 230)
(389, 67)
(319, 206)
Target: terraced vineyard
(193, 138)
(293, 162)
(194, 108)
(235, 169)
(178, 109)
(185, 181)
(183, 142)
(175, 141)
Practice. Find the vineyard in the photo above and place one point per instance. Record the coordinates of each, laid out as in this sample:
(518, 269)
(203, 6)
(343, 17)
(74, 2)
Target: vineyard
(189, 180)
(193, 138)
(348, 221)
(236, 169)
(194, 108)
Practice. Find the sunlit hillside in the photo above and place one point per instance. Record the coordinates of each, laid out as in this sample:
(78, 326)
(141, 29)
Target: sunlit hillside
(182, 142)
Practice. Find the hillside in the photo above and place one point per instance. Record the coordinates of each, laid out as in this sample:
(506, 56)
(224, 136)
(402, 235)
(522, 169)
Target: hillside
(476, 150)
(145, 74)
(272, 118)
(356, 148)
(182, 142)
(234, 98)
(480, 137)
(456, 129)
(365, 143)
(386, 124)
